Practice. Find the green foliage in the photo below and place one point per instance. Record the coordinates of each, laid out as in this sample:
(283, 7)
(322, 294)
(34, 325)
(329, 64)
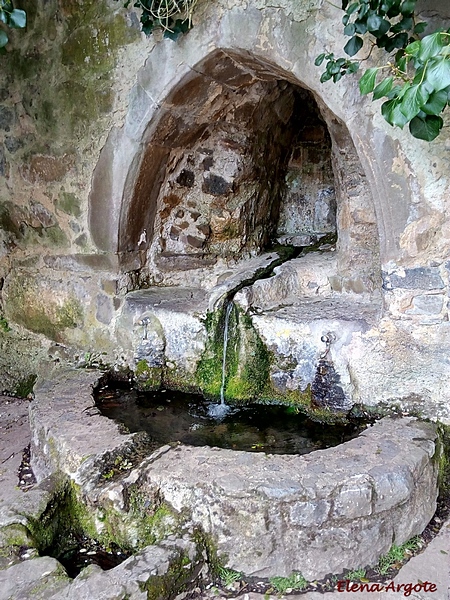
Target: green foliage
(296, 581)
(228, 576)
(14, 18)
(174, 17)
(397, 554)
(416, 77)
(355, 575)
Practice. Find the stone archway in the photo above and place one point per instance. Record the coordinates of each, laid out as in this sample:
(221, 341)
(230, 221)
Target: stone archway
(240, 154)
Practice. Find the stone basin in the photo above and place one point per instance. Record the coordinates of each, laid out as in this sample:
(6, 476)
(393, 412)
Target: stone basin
(265, 514)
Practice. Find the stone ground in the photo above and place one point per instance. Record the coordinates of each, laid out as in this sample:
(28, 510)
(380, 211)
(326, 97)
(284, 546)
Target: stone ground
(20, 582)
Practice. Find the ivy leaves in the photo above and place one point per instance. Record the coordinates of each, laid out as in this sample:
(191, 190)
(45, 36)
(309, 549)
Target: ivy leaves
(12, 17)
(421, 87)
(416, 79)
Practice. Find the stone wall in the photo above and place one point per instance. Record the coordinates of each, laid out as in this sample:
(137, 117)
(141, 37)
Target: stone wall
(99, 137)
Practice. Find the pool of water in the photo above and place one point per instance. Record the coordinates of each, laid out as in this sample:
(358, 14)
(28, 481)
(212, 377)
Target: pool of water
(171, 417)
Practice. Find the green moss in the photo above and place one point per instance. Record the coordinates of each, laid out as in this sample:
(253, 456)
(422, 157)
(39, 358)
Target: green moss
(4, 326)
(153, 518)
(179, 575)
(147, 378)
(209, 369)
(52, 237)
(69, 204)
(69, 73)
(28, 306)
(14, 537)
(442, 458)
(247, 360)
(249, 364)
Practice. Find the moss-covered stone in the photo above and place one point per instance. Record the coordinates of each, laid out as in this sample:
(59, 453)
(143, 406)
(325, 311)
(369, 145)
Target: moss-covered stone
(442, 457)
(12, 538)
(178, 577)
(147, 377)
(153, 518)
(24, 386)
(41, 308)
(247, 359)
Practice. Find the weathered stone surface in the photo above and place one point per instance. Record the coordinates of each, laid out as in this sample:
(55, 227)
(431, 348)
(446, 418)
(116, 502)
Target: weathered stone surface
(48, 168)
(164, 326)
(107, 118)
(354, 498)
(422, 278)
(39, 578)
(63, 397)
(7, 118)
(428, 305)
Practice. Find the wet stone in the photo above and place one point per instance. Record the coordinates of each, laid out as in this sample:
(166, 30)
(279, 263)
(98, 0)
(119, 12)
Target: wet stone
(325, 389)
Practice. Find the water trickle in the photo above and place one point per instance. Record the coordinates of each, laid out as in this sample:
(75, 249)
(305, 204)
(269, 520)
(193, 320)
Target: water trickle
(220, 410)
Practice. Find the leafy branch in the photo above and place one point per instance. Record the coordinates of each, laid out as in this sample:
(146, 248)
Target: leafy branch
(416, 77)
(14, 18)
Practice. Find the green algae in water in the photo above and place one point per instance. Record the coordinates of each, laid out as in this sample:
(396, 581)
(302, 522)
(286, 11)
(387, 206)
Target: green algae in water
(170, 417)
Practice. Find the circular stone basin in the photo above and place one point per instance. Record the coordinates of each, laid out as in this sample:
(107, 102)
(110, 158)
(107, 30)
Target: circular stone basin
(170, 417)
(264, 514)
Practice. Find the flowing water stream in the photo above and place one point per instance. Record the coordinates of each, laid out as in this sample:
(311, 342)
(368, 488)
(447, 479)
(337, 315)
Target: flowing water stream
(220, 410)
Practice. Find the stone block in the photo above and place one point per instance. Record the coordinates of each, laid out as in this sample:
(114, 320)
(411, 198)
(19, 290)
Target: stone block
(354, 499)
(420, 278)
(38, 578)
(309, 514)
(48, 168)
(427, 305)
(105, 309)
(391, 487)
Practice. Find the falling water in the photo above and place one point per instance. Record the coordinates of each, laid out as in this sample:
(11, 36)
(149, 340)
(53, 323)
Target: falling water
(219, 410)
(225, 344)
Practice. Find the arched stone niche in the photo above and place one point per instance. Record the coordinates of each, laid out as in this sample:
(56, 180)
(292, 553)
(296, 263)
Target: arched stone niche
(238, 155)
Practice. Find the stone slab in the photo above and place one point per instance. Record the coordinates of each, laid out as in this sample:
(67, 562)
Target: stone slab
(36, 579)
